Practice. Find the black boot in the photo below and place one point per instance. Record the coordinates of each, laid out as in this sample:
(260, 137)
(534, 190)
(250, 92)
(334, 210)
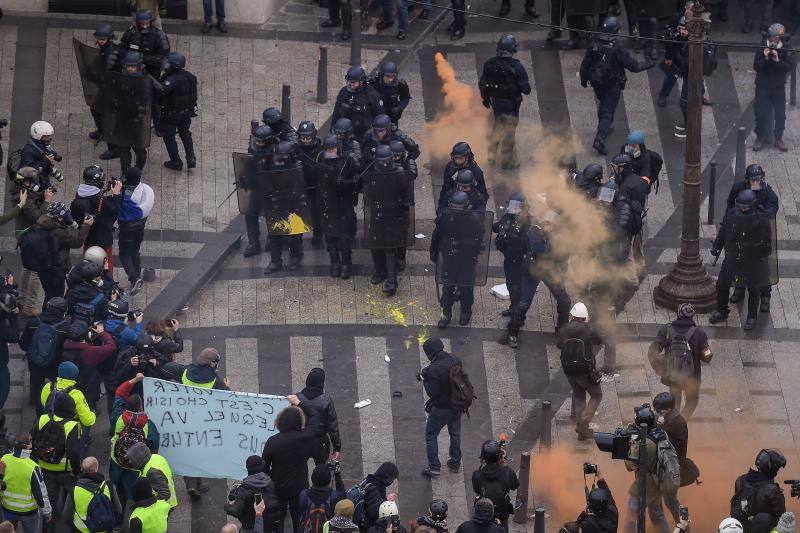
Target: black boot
(253, 248)
(445, 320)
(718, 316)
(738, 294)
(294, 262)
(465, 317)
(336, 265)
(389, 287)
(191, 161)
(764, 308)
(377, 277)
(273, 267)
(347, 258)
(600, 146)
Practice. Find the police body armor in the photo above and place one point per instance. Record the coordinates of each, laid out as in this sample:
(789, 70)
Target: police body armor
(464, 243)
(751, 248)
(147, 44)
(182, 101)
(499, 80)
(510, 239)
(92, 69)
(357, 108)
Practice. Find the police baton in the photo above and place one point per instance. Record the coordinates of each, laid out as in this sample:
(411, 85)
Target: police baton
(229, 195)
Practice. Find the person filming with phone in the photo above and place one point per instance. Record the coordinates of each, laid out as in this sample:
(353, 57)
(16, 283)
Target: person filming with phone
(601, 514)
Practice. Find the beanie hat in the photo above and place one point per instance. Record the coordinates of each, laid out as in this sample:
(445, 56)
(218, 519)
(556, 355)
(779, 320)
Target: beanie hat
(254, 465)
(316, 378)
(321, 476)
(344, 508)
(142, 489)
(133, 176)
(68, 370)
(786, 523)
(77, 331)
(686, 310)
(432, 346)
(207, 356)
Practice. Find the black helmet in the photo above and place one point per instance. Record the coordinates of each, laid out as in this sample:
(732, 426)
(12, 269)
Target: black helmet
(176, 61)
(381, 122)
(593, 172)
(745, 199)
(307, 129)
(769, 461)
(620, 163)
(598, 500)
(262, 133)
(465, 177)
(118, 308)
(132, 59)
(754, 171)
(390, 68)
(438, 509)
(144, 15)
(398, 149)
(461, 149)
(57, 210)
(104, 31)
(384, 160)
(144, 342)
(271, 116)
(343, 127)
(664, 401)
(644, 415)
(94, 175)
(355, 74)
(610, 26)
(491, 449)
(507, 45)
(459, 200)
(285, 149)
(330, 141)
(88, 270)
(57, 305)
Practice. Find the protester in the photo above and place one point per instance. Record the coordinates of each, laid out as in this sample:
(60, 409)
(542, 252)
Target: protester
(241, 498)
(149, 514)
(24, 494)
(78, 506)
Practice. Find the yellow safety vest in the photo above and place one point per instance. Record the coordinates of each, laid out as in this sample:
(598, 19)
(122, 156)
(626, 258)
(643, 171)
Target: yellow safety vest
(118, 429)
(82, 497)
(154, 517)
(186, 381)
(69, 426)
(158, 462)
(18, 496)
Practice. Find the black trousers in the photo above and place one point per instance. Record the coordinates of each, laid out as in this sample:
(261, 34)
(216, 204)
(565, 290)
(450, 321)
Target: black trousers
(275, 245)
(463, 293)
(340, 249)
(724, 281)
(130, 243)
(181, 128)
(459, 16)
(125, 157)
(53, 282)
(385, 263)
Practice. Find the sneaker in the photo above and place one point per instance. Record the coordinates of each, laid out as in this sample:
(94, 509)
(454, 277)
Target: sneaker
(401, 35)
(505, 7)
(174, 165)
(780, 145)
(136, 286)
(389, 288)
(737, 296)
(457, 34)
(206, 27)
(347, 271)
(331, 24)
(431, 473)
(680, 132)
(336, 270)
(455, 469)
(758, 144)
(718, 316)
(382, 25)
(294, 263)
(401, 265)
(506, 312)
(96, 134)
(749, 324)
(444, 321)
(584, 432)
(707, 101)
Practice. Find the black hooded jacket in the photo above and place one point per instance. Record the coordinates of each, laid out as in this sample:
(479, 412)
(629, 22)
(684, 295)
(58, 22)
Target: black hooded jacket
(286, 454)
(324, 421)
(769, 497)
(375, 494)
(436, 378)
(495, 481)
(105, 210)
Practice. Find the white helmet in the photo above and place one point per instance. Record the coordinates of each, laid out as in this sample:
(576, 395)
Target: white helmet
(40, 129)
(387, 509)
(579, 311)
(96, 255)
(730, 525)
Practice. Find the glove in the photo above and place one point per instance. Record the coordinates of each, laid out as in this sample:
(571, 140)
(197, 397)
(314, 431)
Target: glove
(487, 104)
(715, 252)
(584, 83)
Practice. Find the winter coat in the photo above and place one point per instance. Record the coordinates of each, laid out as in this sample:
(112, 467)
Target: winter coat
(62, 240)
(84, 292)
(138, 457)
(317, 496)
(769, 497)
(605, 522)
(578, 329)
(89, 200)
(374, 496)
(771, 75)
(241, 505)
(501, 476)
(698, 343)
(678, 432)
(766, 200)
(477, 525)
(286, 454)
(93, 354)
(437, 378)
(325, 423)
(170, 345)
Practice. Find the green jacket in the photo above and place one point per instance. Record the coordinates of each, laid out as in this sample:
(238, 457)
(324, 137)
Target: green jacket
(651, 487)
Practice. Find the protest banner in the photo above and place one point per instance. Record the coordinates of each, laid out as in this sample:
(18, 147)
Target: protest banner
(208, 432)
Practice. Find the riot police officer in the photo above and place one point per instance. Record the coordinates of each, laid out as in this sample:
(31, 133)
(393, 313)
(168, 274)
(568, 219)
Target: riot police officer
(590, 180)
(132, 66)
(502, 84)
(466, 183)
(308, 146)
(393, 90)
(512, 242)
(38, 154)
(110, 58)
(558, 8)
(343, 129)
(357, 101)
(530, 8)
(632, 190)
(273, 118)
(262, 144)
(178, 98)
(748, 246)
(284, 159)
(402, 160)
(772, 65)
(381, 133)
(604, 67)
(149, 41)
(461, 157)
(540, 265)
(384, 260)
(644, 162)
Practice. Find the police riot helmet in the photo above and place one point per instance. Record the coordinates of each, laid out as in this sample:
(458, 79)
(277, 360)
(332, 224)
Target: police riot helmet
(461, 149)
(330, 142)
(438, 510)
(507, 45)
(644, 415)
(389, 69)
(619, 163)
(664, 401)
(516, 202)
(175, 61)
(384, 160)
(593, 172)
(769, 461)
(491, 450)
(343, 127)
(144, 343)
(355, 74)
(104, 31)
(307, 130)
(94, 175)
(271, 116)
(465, 178)
(89, 270)
(610, 26)
(398, 149)
(381, 123)
(745, 199)
(598, 500)
(144, 15)
(754, 171)
(459, 200)
(262, 133)
(96, 255)
(132, 59)
(284, 151)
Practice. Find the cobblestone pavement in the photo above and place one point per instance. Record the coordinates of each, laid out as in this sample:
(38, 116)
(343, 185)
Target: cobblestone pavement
(273, 330)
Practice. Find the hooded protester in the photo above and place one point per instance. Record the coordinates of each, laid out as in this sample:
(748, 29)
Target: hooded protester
(155, 469)
(375, 493)
(137, 202)
(325, 423)
(495, 480)
(241, 498)
(90, 200)
(321, 495)
(482, 519)
(757, 488)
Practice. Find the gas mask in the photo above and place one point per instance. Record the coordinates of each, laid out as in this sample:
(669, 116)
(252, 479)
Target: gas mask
(634, 150)
(514, 207)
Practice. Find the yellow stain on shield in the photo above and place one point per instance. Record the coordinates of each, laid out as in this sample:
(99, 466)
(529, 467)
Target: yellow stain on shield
(292, 225)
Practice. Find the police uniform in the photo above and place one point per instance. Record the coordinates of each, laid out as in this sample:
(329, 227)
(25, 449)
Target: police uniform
(360, 106)
(370, 143)
(512, 242)
(340, 246)
(178, 99)
(152, 44)
(395, 97)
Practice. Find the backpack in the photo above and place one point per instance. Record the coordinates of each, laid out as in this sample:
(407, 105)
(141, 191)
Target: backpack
(629, 215)
(357, 494)
(657, 164)
(44, 347)
(100, 515)
(709, 57)
(50, 442)
(744, 500)
(494, 490)
(679, 362)
(13, 164)
(499, 80)
(668, 467)
(85, 311)
(574, 359)
(35, 249)
(131, 434)
(462, 393)
(314, 520)
(601, 71)
(233, 496)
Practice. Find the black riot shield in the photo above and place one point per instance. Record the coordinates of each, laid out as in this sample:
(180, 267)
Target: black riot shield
(585, 7)
(250, 183)
(91, 69)
(286, 202)
(653, 9)
(751, 248)
(464, 243)
(388, 219)
(128, 105)
(324, 177)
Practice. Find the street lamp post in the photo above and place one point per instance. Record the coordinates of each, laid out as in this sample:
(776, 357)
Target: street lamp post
(688, 281)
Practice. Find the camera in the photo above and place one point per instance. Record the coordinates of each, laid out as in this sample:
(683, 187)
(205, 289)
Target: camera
(795, 487)
(619, 442)
(110, 184)
(589, 468)
(133, 314)
(683, 512)
(334, 467)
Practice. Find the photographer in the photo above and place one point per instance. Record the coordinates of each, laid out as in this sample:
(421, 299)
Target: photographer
(125, 326)
(388, 519)
(495, 480)
(141, 358)
(256, 487)
(90, 200)
(9, 332)
(483, 520)
(756, 492)
(167, 339)
(601, 514)
(318, 502)
(137, 202)
(772, 65)
(39, 154)
(86, 300)
(325, 422)
(94, 351)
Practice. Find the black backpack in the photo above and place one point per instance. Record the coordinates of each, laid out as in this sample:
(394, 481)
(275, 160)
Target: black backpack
(574, 357)
(494, 489)
(100, 514)
(679, 362)
(358, 495)
(13, 164)
(602, 71)
(657, 164)
(462, 393)
(499, 81)
(50, 442)
(744, 500)
(86, 311)
(35, 250)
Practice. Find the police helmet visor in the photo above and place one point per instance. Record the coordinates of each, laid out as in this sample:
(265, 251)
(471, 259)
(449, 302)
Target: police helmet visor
(380, 133)
(514, 207)
(459, 160)
(389, 79)
(101, 41)
(306, 138)
(144, 24)
(353, 85)
(606, 194)
(466, 187)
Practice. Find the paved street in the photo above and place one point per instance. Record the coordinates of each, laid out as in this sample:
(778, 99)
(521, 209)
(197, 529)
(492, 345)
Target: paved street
(273, 330)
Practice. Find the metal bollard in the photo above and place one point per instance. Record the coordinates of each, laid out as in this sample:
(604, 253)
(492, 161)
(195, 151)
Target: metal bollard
(546, 438)
(322, 75)
(538, 520)
(524, 475)
(712, 191)
(286, 102)
(355, 39)
(741, 154)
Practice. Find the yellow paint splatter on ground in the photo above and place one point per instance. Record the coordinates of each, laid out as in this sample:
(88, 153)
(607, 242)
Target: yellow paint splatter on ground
(400, 313)
(293, 225)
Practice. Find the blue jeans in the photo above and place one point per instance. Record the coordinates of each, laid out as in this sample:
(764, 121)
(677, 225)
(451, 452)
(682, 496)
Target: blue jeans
(607, 102)
(656, 512)
(220, 11)
(667, 85)
(402, 13)
(438, 418)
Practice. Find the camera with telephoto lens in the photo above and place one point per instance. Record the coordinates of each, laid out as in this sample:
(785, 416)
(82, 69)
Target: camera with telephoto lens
(589, 468)
(618, 443)
(334, 467)
(55, 172)
(795, 486)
